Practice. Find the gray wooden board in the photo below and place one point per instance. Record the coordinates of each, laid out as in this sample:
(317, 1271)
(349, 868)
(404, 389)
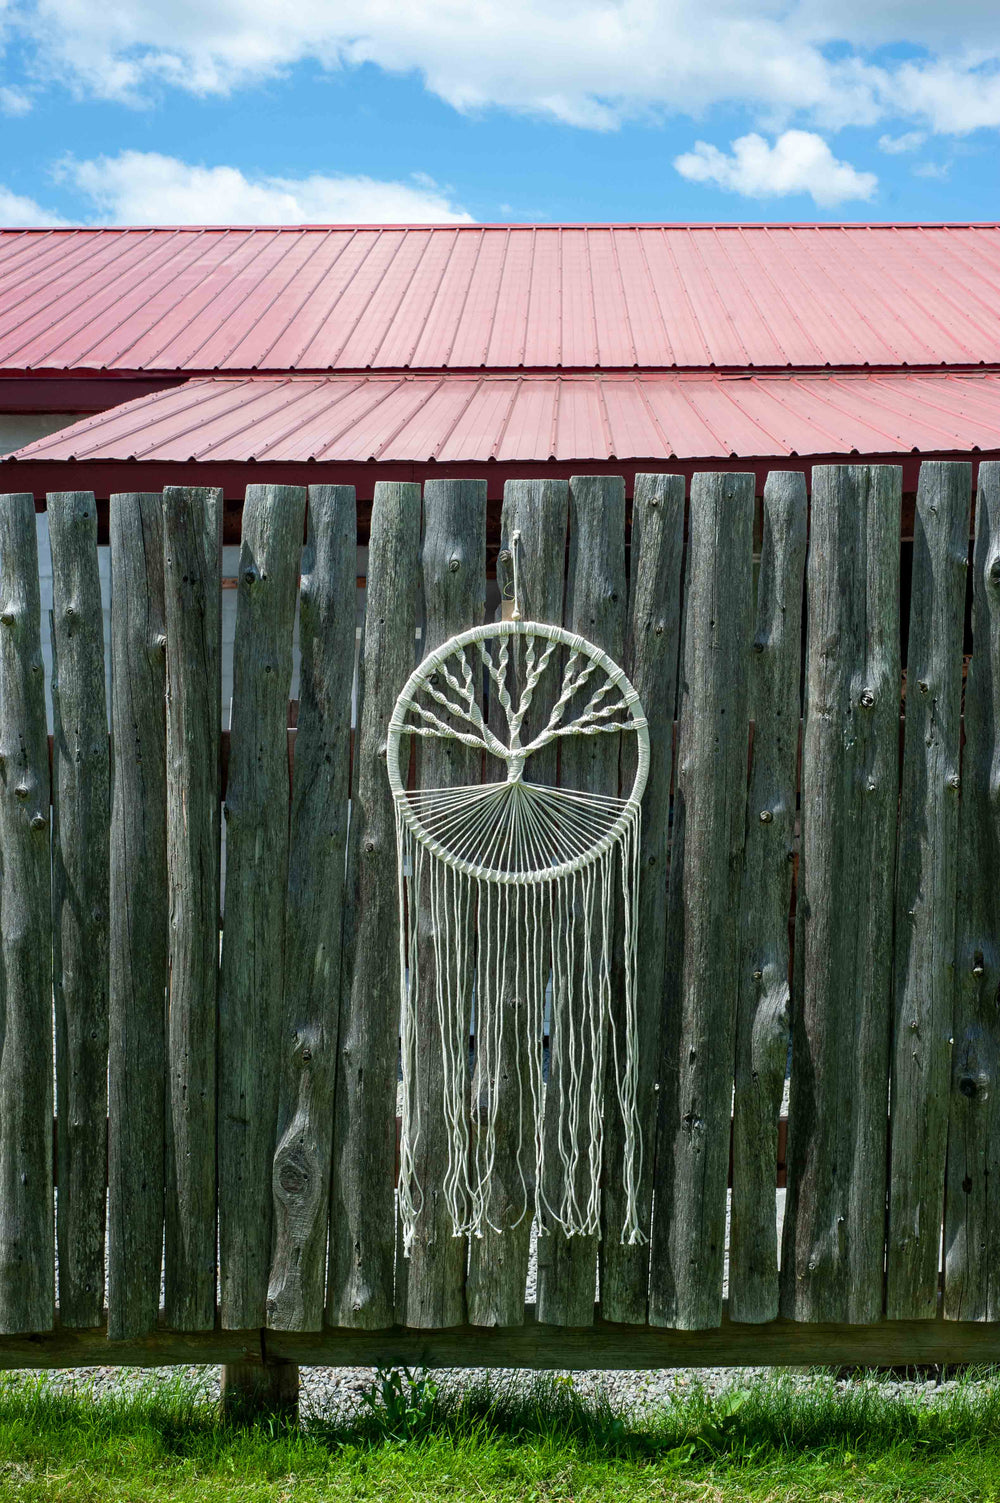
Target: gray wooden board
(27, 1252)
(81, 795)
(453, 557)
(652, 641)
(498, 1260)
(599, 1345)
(696, 1080)
(834, 1232)
(256, 811)
(327, 615)
(764, 1005)
(139, 917)
(595, 609)
(972, 1205)
(926, 875)
(192, 585)
(360, 1284)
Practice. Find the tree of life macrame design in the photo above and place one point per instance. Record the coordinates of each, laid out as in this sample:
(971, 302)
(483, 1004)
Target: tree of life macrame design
(518, 883)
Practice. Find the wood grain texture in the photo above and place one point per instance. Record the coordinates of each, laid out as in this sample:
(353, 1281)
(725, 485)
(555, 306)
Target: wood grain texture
(362, 1207)
(595, 608)
(599, 1345)
(498, 1261)
(926, 877)
(652, 641)
(972, 1205)
(192, 544)
(696, 1080)
(27, 1252)
(318, 839)
(834, 1232)
(764, 1011)
(139, 916)
(453, 559)
(81, 812)
(256, 811)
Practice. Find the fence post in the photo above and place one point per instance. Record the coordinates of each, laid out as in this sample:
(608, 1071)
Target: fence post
(360, 1284)
(696, 1080)
(265, 1389)
(81, 777)
(595, 607)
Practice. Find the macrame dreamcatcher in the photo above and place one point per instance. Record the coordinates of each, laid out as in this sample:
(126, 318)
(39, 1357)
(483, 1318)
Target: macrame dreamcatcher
(519, 881)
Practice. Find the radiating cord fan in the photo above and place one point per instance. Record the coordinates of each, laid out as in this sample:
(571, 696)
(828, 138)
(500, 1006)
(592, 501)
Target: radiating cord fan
(520, 880)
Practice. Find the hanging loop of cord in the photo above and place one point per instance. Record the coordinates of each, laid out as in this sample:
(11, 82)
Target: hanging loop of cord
(515, 545)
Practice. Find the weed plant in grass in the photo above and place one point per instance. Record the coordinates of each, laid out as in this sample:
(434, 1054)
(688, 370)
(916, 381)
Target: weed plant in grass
(414, 1437)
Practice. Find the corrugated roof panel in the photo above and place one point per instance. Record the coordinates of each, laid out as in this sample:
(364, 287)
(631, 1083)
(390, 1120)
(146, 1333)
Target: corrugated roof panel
(530, 424)
(474, 329)
(461, 297)
(535, 418)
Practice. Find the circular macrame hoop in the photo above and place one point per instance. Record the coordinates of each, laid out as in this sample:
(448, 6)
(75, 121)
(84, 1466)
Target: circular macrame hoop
(530, 891)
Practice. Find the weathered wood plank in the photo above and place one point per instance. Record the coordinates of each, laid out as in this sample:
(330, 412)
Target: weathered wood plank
(27, 1251)
(926, 876)
(696, 1079)
(595, 608)
(192, 542)
(652, 641)
(629, 1348)
(139, 917)
(600, 1345)
(972, 1204)
(498, 1261)
(362, 1210)
(256, 812)
(301, 1178)
(81, 811)
(453, 559)
(834, 1233)
(764, 1012)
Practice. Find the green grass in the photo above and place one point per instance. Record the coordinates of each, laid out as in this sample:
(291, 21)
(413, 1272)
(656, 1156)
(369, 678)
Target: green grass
(780, 1439)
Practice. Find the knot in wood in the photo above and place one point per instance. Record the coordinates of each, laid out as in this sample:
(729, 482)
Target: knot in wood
(924, 686)
(249, 576)
(22, 791)
(868, 698)
(968, 1086)
(758, 975)
(38, 821)
(454, 563)
(8, 618)
(293, 1179)
(954, 781)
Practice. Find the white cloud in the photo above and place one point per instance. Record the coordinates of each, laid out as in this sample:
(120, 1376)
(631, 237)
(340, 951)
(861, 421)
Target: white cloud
(590, 63)
(19, 211)
(138, 187)
(932, 169)
(909, 141)
(798, 162)
(13, 101)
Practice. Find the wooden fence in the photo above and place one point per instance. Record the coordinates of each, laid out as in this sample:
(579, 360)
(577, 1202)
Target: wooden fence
(228, 1113)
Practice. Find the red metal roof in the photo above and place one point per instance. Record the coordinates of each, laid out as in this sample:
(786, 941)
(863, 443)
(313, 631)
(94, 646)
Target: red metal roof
(499, 297)
(342, 419)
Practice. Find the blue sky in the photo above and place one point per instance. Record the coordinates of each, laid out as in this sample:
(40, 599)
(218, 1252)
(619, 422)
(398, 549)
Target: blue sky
(138, 111)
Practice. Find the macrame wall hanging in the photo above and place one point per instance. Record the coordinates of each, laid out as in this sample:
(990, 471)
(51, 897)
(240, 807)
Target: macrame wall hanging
(519, 879)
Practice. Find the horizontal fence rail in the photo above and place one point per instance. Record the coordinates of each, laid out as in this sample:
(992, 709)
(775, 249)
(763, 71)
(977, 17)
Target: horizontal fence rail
(206, 925)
